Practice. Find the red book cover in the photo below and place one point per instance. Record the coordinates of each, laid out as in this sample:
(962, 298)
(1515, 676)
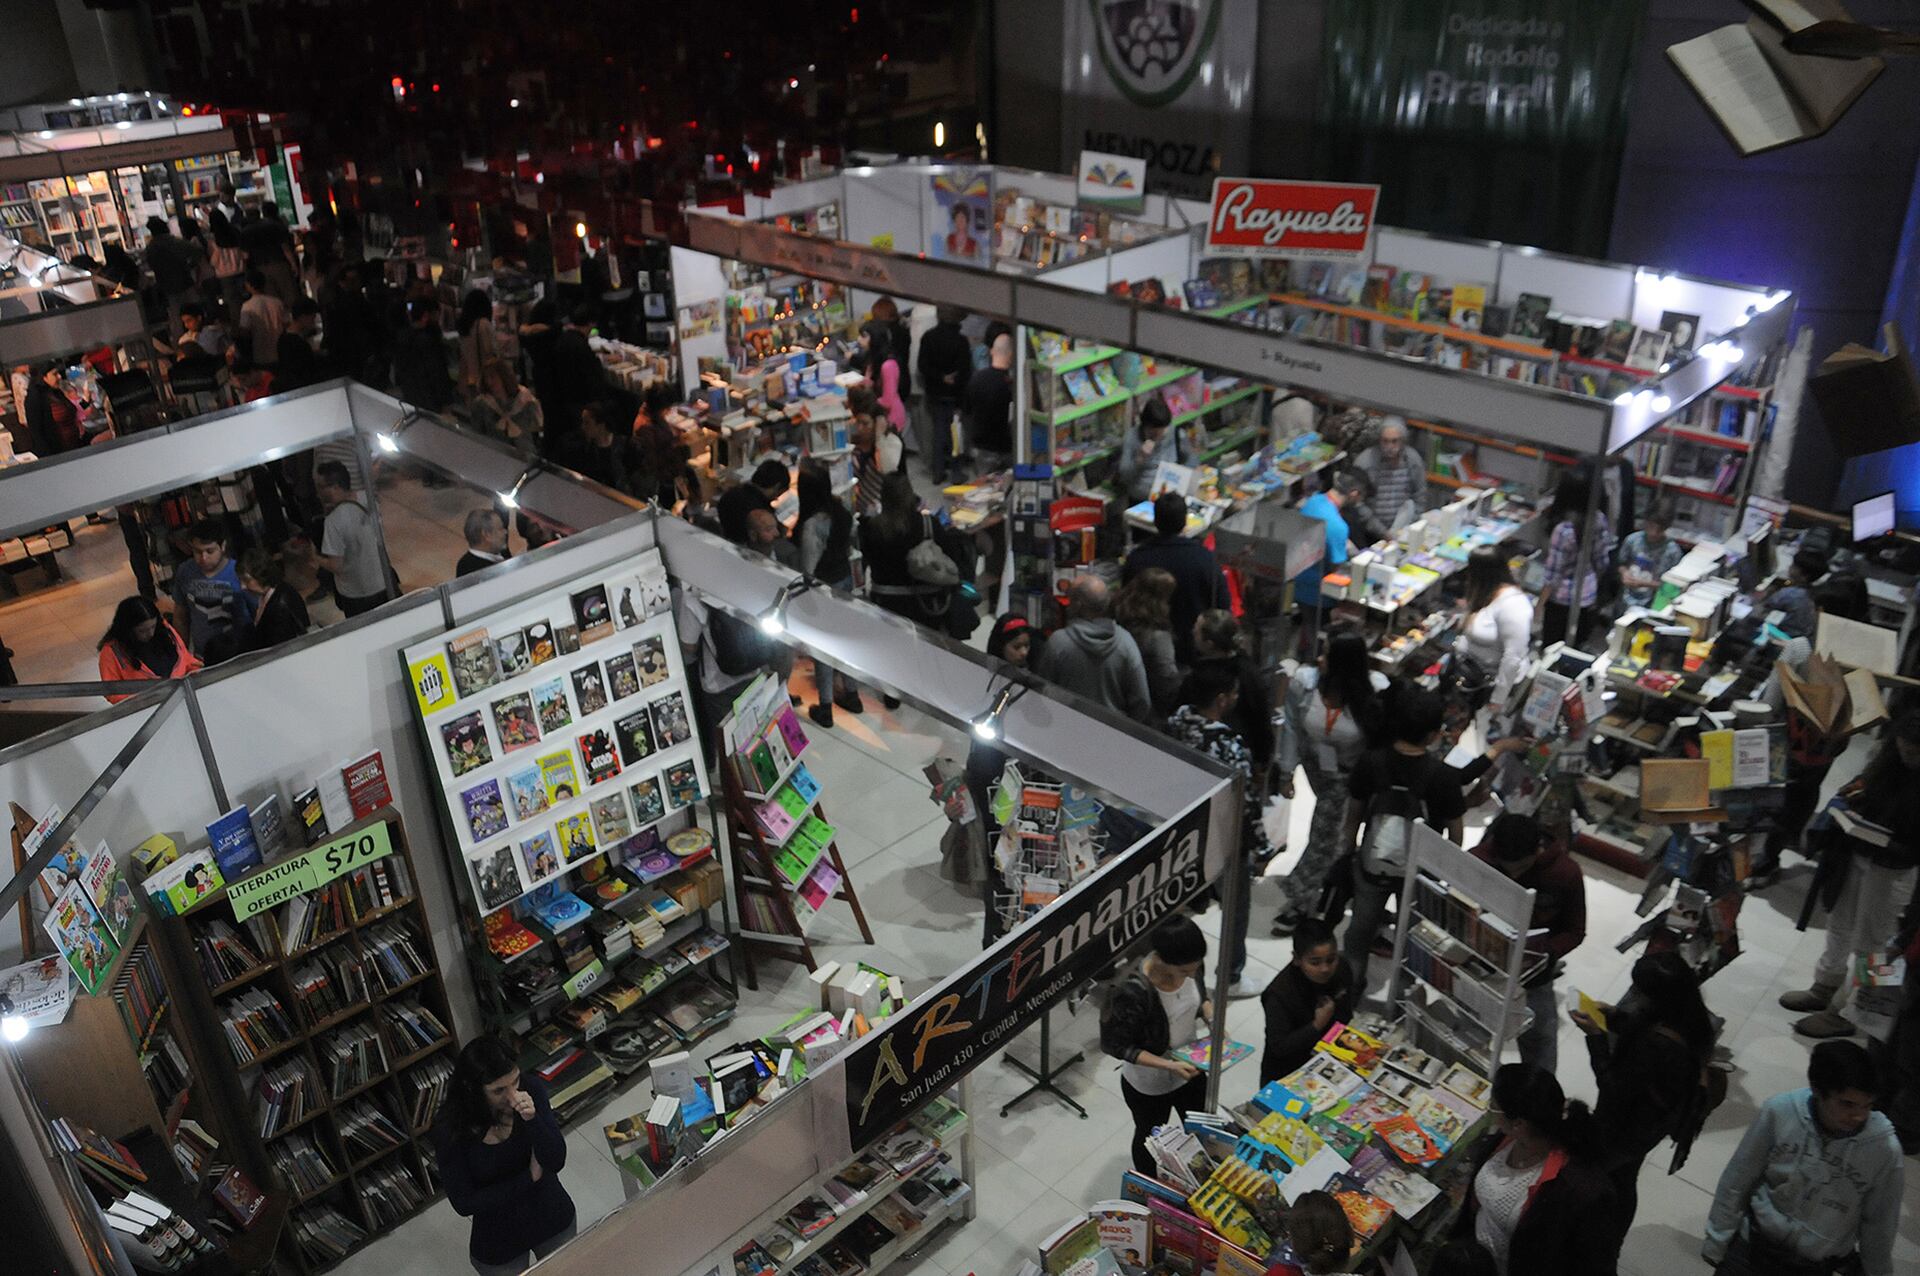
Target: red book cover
(239, 1197)
(366, 781)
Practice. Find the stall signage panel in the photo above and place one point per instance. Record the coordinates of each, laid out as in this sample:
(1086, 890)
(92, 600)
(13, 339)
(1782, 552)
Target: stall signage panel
(309, 871)
(927, 1047)
(1257, 218)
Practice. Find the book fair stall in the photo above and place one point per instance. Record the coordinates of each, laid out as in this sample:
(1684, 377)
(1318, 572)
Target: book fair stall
(260, 915)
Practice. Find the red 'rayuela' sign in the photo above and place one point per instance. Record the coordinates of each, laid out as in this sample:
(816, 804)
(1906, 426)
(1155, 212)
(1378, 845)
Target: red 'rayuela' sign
(1253, 217)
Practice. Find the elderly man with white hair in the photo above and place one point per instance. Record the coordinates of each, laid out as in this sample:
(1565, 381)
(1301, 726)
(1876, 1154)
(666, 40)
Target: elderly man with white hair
(1399, 477)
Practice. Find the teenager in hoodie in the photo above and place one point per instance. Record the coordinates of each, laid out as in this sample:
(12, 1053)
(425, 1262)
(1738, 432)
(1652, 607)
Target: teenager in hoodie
(1093, 657)
(1816, 1180)
(1516, 845)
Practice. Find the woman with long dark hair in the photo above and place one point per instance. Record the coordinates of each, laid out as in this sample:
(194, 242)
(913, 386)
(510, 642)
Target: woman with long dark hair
(140, 645)
(1219, 636)
(1568, 576)
(500, 1152)
(883, 369)
(227, 259)
(1144, 608)
(824, 533)
(1540, 1201)
(1647, 1060)
(1334, 714)
(1499, 622)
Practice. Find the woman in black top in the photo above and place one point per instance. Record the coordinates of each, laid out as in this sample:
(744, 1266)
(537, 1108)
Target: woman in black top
(500, 1153)
(1149, 1014)
(278, 612)
(1647, 1062)
(823, 530)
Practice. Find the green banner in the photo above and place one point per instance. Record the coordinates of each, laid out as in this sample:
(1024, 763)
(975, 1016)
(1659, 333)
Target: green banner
(1490, 119)
(308, 871)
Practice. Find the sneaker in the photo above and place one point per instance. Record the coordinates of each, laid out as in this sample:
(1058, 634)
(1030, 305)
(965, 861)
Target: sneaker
(1285, 924)
(822, 715)
(1245, 987)
(1826, 1023)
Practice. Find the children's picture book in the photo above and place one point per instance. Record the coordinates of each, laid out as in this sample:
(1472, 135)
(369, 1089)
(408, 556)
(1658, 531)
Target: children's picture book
(593, 613)
(1195, 1053)
(526, 795)
(550, 706)
(539, 857)
(495, 877)
(1444, 1115)
(1323, 1081)
(485, 809)
(514, 719)
(1104, 378)
(575, 835)
(671, 725)
(511, 648)
(1350, 1045)
(432, 680)
(475, 665)
(558, 777)
(635, 735)
(648, 804)
(650, 660)
(1079, 385)
(1529, 320)
(683, 785)
(81, 935)
(1468, 1084)
(110, 891)
(1366, 1212)
(598, 756)
(589, 690)
(540, 645)
(1415, 1063)
(611, 820)
(623, 679)
(466, 743)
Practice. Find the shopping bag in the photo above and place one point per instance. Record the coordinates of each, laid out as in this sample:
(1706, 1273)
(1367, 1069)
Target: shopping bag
(1274, 821)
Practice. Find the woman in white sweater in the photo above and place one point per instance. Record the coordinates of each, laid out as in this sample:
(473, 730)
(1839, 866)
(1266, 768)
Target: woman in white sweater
(1499, 626)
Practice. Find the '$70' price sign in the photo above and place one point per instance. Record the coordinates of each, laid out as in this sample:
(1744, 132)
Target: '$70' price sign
(277, 883)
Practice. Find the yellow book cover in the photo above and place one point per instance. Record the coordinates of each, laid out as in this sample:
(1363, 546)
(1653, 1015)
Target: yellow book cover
(432, 682)
(1717, 748)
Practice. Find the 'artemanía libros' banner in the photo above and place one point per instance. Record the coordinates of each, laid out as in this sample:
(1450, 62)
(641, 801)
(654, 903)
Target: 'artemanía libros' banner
(1167, 81)
(1494, 119)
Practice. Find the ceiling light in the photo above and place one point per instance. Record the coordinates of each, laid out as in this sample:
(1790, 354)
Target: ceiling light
(1661, 403)
(1623, 399)
(939, 134)
(513, 102)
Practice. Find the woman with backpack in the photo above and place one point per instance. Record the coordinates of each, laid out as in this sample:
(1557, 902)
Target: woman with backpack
(1650, 1054)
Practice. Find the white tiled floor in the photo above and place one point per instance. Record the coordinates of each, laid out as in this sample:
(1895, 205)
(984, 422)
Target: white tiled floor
(1041, 1163)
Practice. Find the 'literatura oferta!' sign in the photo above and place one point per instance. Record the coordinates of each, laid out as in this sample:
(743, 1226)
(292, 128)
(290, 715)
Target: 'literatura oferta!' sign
(925, 1049)
(309, 871)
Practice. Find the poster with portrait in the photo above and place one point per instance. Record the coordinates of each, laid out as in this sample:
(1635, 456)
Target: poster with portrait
(962, 216)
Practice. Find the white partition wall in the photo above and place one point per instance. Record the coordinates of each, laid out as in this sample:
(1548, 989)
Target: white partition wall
(698, 277)
(1452, 260)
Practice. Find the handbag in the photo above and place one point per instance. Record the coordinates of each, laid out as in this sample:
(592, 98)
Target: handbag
(928, 563)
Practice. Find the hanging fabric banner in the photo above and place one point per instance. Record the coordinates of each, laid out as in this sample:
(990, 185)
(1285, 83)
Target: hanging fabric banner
(1169, 82)
(1494, 119)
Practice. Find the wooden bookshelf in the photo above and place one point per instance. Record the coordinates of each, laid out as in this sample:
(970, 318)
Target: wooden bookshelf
(355, 1178)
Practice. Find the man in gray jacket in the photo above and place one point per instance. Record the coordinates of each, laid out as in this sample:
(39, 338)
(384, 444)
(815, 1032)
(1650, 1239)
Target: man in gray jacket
(1094, 657)
(1399, 478)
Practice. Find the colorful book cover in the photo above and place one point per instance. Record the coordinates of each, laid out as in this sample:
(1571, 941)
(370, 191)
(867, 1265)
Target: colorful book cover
(77, 930)
(589, 690)
(1341, 1137)
(1370, 1106)
(1352, 1046)
(1468, 305)
(612, 822)
(496, 878)
(550, 706)
(465, 739)
(1323, 1081)
(475, 664)
(365, 780)
(557, 777)
(650, 659)
(792, 737)
(683, 785)
(432, 680)
(539, 857)
(671, 725)
(1079, 385)
(593, 614)
(635, 735)
(598, 756)
(511, 651)
(1403, 1135)
(1195, 1053)
(485, 809)
(803, 785)
(648, 803)
(575, 835)
(540, 644)
(1529, 320)
(525, 793)
(1105, 379)
(1366, 1212)
(558, 909)
(109, 890)
(1445, 1121)
(514, 719)
(1469, 1085)
(623, 678)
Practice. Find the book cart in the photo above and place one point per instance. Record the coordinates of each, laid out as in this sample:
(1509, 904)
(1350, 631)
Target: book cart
(561, 734)
(336, 1026)
(785, 858)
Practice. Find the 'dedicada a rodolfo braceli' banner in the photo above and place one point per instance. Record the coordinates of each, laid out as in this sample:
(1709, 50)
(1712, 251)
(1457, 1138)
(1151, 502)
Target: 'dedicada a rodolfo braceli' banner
(1492, 119)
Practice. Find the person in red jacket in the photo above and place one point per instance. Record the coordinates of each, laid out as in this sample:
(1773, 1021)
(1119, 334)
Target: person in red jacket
(140, 645)
(1516, 846)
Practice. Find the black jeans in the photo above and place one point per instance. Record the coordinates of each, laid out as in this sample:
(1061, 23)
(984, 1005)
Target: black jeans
(351, 607)
(1152, 1110)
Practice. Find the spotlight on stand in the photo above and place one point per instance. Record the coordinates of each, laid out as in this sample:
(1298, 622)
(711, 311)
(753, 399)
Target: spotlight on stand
(511, 497)
(773, 621)
(987, 726)
(389, 440)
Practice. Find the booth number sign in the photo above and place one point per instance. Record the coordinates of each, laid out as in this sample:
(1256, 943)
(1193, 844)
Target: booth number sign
(277, 883)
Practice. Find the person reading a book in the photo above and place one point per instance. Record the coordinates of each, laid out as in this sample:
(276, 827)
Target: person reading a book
(1647, 1054)
(1814, 1188)
(140, 645)
(1517, 846)
(1151, 441)
(1313, 991)
(1647, 555)
(1540, 1202)
(1149, 1015)
(1865, 876)
(1319, 1234)
(500, 1152)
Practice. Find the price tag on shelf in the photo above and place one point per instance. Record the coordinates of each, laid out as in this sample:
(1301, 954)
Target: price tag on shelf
(586, 980)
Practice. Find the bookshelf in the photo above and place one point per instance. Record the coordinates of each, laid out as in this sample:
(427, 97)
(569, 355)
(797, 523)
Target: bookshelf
(786, 858)
(330, 1041)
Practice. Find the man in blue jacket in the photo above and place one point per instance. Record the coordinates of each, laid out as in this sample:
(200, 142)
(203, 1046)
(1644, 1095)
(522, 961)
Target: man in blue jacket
(1816, 1180)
